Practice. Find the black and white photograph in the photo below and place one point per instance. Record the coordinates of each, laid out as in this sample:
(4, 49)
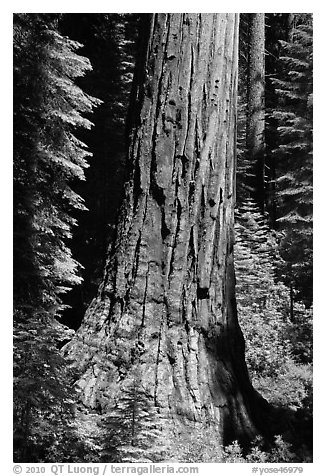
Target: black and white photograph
(162, 241)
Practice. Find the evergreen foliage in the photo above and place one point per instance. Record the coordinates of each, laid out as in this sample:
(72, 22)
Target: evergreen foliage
(264, 303)
(293, 157)
(278, 452)
(48, 425)
(110, 80)
(278, 334)
(48, 158)
(273, 267)
(43, 400)
(133, 430)
(199, 445)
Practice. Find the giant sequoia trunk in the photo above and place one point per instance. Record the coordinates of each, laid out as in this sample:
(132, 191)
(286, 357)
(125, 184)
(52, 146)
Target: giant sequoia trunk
(165, 310)
(256, 104)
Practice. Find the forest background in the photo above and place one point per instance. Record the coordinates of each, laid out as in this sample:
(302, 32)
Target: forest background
(257, 217)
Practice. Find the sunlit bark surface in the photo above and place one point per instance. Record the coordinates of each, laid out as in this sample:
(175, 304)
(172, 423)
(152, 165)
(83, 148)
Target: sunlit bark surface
(166, 307)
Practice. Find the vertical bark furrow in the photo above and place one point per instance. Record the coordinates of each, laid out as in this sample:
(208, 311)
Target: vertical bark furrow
(172, 313)
(256, 105)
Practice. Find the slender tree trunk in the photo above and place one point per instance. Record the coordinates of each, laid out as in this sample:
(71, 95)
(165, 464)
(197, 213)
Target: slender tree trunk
(256, 104)
(291, 26)
(167, 305)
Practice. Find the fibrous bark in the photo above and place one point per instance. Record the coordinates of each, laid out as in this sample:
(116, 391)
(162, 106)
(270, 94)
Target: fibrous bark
(166, 306)
(256, 104)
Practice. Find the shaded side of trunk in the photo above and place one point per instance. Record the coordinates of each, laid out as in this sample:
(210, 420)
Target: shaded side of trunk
(256, 104)
(166, 308)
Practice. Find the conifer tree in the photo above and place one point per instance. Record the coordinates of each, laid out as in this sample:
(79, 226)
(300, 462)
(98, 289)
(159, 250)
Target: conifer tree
(169, 283)
(255, 134)
(161, 341)
(43, 399)
(278, 350)
(133, 430)
(293, 156)
(262, 302)
(110, 80)
(48, 157)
